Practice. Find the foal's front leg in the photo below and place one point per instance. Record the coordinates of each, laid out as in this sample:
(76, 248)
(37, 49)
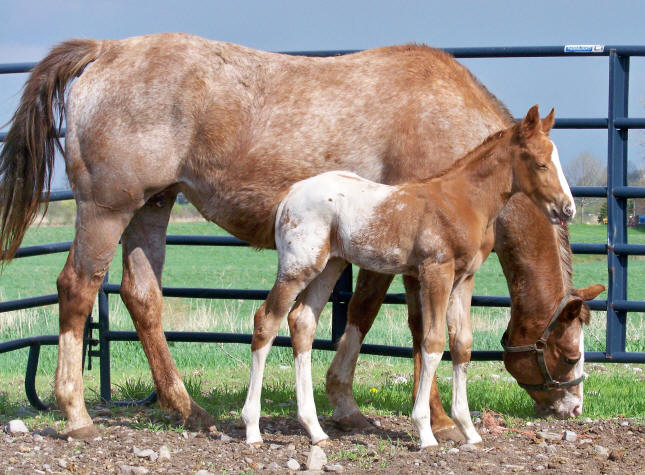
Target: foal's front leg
(436, 284)
(266, 323)
(303, 320)
(461, 342)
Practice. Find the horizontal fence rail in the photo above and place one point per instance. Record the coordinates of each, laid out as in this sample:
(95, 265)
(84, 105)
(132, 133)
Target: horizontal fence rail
(616, 249)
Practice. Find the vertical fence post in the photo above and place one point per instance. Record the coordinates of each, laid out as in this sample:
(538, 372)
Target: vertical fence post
(340, 304)
(104, 342)
(616, 207)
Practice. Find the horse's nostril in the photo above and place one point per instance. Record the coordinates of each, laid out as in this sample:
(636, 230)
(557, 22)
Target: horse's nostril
(576, 411)
(568, 210)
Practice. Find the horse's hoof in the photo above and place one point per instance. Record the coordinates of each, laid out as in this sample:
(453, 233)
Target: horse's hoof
(445, 434)
(353, 421)
(82, 433)
(200, 420)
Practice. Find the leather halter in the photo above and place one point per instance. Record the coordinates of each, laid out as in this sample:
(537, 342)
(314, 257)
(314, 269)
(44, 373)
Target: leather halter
(538, 347)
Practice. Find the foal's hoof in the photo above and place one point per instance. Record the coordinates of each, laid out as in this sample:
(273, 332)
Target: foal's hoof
(82, 433)
(323, 443)
(449, 433)
(353, 421)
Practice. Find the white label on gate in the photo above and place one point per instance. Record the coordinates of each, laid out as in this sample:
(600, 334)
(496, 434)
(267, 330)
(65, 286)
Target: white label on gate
(584, 48)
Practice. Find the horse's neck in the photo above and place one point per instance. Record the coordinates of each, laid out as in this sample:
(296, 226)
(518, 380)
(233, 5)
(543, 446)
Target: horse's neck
(535, 294)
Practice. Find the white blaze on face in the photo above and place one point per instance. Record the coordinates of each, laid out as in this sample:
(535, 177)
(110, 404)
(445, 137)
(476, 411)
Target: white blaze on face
(579, 369)
(555, 159)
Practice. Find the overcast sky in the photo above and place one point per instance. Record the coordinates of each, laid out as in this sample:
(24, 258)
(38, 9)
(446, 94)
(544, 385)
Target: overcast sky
(576, 87)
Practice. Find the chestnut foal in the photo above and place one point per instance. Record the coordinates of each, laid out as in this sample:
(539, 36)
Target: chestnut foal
(435, 230)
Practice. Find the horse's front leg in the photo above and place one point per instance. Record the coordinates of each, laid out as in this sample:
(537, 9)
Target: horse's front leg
(364, 305)
(461, 342)
(442, 426)
(435, 286)
(303, 320)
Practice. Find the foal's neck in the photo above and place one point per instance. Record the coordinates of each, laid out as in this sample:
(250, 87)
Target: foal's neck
(485, 175)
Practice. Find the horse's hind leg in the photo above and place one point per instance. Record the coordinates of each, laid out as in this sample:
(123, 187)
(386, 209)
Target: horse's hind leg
(97, 235)
(144, 249)
(363, 308)
(442, 426)
(303, 320)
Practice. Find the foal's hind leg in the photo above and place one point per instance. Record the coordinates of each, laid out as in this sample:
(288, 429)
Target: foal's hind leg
(97, 235)
(364, 305)
(303, 320)
(266, 323)
(442, 426)
(144, 249)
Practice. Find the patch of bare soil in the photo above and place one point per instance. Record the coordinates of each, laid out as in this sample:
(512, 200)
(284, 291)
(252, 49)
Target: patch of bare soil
(609, 446)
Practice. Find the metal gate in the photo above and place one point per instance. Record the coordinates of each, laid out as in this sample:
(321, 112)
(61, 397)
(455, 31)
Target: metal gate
(617, 249)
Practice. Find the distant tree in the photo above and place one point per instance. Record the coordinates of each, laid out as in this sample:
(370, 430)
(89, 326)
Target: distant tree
(586, 169)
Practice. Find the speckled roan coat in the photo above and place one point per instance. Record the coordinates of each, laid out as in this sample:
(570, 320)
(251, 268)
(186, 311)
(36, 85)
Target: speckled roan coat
(231, 128)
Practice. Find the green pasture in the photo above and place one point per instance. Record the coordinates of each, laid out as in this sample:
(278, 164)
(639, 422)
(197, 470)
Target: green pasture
(217, 374)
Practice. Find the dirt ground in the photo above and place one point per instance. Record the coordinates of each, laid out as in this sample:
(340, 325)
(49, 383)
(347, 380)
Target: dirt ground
(608, 446)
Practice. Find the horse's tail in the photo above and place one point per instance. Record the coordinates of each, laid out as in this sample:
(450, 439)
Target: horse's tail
(27, 158)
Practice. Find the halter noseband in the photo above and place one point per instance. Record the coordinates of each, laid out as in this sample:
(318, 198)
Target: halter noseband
(538, 347)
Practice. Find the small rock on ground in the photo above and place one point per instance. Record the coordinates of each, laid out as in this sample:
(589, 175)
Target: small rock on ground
(600, 450)
(469, 448)
(164, 453)
(292, 464)
(16, 426)
(548, 435)
(316, 459)
(569, 436)
(130, 470)
(334, 467)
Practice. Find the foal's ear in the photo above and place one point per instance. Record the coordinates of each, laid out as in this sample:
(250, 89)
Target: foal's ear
(531, 123)
(548, 121)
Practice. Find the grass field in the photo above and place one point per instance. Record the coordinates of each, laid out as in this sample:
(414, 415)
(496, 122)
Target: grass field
(217, 374)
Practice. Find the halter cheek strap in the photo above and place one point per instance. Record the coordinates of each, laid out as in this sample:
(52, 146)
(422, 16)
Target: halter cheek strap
(538, 347)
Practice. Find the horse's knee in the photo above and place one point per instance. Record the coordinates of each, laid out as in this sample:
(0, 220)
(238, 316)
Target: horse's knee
(461, 344)
(434, 343)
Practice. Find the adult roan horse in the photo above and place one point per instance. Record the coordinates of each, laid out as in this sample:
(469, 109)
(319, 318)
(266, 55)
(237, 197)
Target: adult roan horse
(232, 128)
(435, 230)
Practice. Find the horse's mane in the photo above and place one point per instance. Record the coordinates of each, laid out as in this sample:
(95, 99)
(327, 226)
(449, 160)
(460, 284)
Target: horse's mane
(564, 250)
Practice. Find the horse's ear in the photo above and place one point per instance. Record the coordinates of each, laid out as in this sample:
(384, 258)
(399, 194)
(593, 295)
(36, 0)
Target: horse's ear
(590, 292)
(576, 308)
(531, 123)
(548, 121)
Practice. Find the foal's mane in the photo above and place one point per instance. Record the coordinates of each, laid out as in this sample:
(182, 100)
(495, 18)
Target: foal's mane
(478, 153)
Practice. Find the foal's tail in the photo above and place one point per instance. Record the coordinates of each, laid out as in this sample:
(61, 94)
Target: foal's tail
(27, 159)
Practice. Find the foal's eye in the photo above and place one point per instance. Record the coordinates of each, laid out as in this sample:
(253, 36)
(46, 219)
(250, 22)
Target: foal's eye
(571, 361)
(542, 166)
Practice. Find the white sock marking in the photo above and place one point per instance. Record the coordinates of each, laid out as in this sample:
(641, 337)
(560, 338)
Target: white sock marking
(305, 396)
(252, 406)
(460, 412)
(421, 410)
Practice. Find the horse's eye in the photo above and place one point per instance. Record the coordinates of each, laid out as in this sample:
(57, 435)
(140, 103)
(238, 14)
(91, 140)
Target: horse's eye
(542, 166)
(571, 361)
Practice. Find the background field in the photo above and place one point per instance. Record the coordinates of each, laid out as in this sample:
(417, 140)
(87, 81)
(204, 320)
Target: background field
(217, 374)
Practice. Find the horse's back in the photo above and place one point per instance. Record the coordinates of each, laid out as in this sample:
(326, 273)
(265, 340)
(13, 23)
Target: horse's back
(234, 127)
